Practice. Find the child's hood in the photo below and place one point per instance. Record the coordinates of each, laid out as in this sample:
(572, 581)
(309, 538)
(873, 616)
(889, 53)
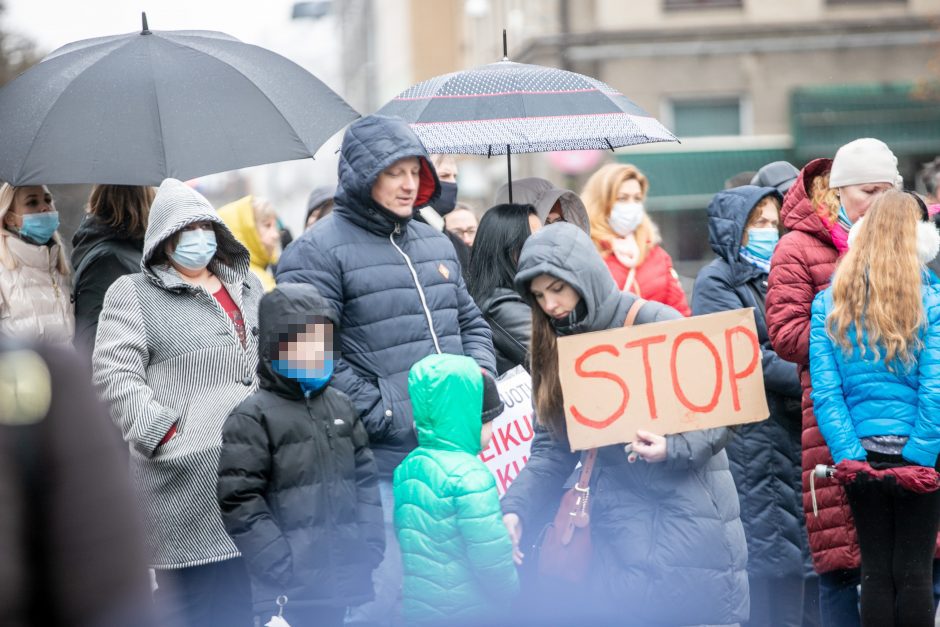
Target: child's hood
(447, 400)
(282, 314)
(239, 216)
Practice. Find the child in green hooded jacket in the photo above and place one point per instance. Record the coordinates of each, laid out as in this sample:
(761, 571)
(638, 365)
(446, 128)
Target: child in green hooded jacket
(456, 552)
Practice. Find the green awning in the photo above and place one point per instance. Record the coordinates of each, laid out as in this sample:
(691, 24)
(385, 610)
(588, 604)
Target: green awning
(903, 115)
(688, 180)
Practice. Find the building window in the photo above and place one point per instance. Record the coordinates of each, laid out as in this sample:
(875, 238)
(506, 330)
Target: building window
(681, 5)
(706, 116)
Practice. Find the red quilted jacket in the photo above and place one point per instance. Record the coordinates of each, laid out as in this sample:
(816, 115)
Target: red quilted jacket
(802, 265)
(655, 279)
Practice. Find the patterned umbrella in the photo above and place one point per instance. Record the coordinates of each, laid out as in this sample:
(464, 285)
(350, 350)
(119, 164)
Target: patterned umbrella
(515, 107)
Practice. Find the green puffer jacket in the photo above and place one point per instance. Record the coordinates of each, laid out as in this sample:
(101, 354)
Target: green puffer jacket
(456, 552)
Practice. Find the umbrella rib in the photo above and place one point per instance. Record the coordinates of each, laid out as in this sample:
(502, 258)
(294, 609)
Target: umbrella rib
(156, 100)
(32, 144)
(260, 91)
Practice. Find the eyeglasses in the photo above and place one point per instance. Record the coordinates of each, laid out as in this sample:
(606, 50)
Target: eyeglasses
(470, 230)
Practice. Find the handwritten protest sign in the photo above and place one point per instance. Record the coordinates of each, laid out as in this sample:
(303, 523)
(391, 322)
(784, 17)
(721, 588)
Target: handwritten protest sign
(666, 377)
(513, 430)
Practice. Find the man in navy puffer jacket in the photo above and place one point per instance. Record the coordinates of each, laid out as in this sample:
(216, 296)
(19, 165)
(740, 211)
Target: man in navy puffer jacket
(397, 286)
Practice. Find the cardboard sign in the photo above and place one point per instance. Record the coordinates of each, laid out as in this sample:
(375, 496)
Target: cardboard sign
(513, 430)
(665, 377)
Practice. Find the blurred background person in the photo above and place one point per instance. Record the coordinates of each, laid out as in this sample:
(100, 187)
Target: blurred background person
(319, 204)
(70, 536)
(930, 178)
(107, 245)
(176, 351)
(627, 238)
(503, 231)
(743, 229)
(827, 198)
(552, 204)
(462, 222)
(34, 273)
(254, 224)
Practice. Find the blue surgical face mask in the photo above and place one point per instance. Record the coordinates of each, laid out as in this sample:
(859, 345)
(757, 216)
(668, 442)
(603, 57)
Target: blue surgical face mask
(844, 218)
(761, 243)
(310, 379)
(195, 249)
(39, 227)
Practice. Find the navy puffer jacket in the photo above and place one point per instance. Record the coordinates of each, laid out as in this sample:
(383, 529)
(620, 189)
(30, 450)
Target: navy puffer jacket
(765, 456)
(395, 282)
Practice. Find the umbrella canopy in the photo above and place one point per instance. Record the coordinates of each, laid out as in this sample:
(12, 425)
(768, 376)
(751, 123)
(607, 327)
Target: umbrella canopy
(508, 107)
(135, 109)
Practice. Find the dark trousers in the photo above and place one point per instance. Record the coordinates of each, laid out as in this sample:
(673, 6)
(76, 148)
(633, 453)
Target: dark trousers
(213, 595)
(897, 534)
(776, 602)
(308, 617)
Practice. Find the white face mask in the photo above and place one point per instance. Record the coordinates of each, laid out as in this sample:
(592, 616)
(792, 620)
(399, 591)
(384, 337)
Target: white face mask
(625, 217)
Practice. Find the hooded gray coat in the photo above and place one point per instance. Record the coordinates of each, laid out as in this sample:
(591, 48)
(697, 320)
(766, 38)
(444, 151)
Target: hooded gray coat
(395, 283)
(166, 352)
(668, 543)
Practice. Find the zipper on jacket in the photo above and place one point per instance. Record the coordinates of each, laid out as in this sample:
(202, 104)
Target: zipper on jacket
(414, 275)
(327, 479)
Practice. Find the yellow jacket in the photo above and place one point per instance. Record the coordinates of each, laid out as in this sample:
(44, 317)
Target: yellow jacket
(239, 217)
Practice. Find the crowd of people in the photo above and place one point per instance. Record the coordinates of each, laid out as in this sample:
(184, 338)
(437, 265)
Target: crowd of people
(304, 421)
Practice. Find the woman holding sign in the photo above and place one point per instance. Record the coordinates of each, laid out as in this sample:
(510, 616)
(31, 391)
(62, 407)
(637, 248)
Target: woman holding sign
(875, 368)
(743, 228)
(668, 546)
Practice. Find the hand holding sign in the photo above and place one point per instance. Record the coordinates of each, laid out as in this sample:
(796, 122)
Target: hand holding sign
(667, 377)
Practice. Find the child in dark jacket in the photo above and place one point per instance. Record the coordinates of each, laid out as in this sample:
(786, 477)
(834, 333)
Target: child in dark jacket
(297, 481)
(456, 552)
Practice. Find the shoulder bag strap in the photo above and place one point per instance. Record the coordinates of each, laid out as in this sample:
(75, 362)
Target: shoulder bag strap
(634, 311)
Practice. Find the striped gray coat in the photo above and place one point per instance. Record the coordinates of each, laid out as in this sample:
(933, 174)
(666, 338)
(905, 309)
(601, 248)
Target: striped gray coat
(166, 352)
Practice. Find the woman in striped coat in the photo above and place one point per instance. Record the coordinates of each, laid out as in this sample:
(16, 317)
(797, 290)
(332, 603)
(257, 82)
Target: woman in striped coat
(176, 351)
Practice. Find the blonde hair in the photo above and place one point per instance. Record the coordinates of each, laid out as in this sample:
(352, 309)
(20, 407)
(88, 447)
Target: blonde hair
(7, 194)
(825, 201)
(600, 194)
(263, 210)
(877, 285)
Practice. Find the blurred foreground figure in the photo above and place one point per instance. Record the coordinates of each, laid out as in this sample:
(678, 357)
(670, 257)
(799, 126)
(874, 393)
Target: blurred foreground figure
(69, 536)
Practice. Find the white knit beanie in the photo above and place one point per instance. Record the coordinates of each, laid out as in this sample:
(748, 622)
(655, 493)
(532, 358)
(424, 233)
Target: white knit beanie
(865, 160)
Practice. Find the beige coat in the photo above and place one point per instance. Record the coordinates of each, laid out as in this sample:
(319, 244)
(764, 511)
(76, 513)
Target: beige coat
(34, 295)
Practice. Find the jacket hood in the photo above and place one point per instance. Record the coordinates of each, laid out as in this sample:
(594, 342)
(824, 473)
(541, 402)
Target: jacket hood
(175, 206)
(447, 399)
(799, 212)
(370, 145)
(727, 216)
(92, 232)
(239, 217)
(282, 313)
(564, 251)
(542, 195)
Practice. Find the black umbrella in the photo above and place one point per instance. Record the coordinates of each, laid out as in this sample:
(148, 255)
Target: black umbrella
(135, 109)
(508, 107)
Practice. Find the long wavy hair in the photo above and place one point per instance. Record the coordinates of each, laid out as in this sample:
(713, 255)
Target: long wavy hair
(546, 384)
(877, 285)
(825, 200)
(600, 194)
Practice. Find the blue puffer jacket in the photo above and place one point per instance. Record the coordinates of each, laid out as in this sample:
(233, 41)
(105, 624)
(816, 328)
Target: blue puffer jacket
(857, 396)
(764, 456)
(395, 282)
